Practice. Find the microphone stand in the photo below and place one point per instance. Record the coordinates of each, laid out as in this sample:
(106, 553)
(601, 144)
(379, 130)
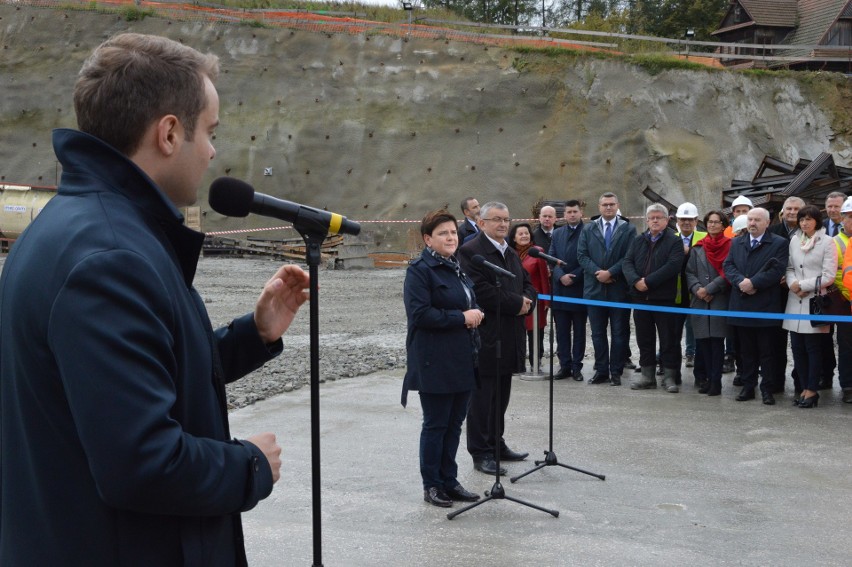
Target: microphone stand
(313, 242)
(549, 456)
(497, 492)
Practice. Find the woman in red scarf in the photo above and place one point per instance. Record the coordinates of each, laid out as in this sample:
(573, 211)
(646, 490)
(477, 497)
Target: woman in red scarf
(520, 238)
(709, 288)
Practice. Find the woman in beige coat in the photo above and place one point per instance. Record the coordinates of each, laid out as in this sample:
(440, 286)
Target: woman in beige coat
(811, 268)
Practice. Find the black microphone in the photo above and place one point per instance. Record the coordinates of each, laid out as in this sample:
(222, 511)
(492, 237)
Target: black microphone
(480, 260)
(536, 253)
(234, 198)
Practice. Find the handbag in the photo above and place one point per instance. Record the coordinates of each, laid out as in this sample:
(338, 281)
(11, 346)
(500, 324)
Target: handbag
(828, 302)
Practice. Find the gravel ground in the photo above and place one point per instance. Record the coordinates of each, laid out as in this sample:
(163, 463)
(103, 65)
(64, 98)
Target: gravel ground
(361, 323)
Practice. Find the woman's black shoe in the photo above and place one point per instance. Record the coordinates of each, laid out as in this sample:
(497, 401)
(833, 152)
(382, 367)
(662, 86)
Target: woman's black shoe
(437, 497)
(797, 400)
(811, 402)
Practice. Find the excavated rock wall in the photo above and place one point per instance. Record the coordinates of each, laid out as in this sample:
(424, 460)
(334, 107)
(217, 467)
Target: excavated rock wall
(379, 128)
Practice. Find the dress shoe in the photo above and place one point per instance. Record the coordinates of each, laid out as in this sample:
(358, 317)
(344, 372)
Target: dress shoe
(738, 380)
(745, 394)
(599, 379)
(811, 402)
(690, 361)
(577, 375)
(507, 454)
(796, 400)
(459, 494)
(629, 364)
(562, 374)
(437, 497)
(847, 396)
(714, 389)
(487, 465)
(768, 398)
(703, 386)
(615, 379)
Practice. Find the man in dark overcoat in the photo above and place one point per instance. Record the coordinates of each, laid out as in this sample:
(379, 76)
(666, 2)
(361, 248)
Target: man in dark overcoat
(570, 318)
(754, 266)
(515, 297)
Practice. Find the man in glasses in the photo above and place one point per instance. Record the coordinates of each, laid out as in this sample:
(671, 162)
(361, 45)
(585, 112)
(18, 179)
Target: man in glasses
(515, 297)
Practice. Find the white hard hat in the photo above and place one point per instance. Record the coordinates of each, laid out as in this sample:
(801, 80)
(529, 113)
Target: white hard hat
(847, 206)
(739, 223)
(741, 200)
(687, 211)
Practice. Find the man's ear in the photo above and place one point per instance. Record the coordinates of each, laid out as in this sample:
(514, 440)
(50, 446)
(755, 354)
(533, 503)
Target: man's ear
(169, 134)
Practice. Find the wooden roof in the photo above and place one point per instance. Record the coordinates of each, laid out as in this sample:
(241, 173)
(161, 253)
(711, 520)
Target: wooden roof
(815, 19)
(781, 13)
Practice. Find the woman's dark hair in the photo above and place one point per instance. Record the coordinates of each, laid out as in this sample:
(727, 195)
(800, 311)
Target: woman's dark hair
(514, 230)
(811, 211)
(721, 216)
(434, 218)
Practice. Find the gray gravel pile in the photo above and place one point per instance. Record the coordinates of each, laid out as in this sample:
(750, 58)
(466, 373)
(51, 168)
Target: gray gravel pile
(361, 323)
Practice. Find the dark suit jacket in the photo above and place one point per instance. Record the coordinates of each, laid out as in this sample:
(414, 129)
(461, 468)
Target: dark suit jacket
(465, 229)
(564, 247)
(764, 266)
(541, 238)
(510, 299)
(827, 225)
(593, 256)
(659, 263)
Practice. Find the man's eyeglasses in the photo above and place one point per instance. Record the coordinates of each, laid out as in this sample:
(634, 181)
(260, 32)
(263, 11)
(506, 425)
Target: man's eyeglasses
(652, 219)
(499, 220)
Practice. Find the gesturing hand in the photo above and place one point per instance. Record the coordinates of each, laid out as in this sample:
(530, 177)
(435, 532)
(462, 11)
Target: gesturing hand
(279, 301)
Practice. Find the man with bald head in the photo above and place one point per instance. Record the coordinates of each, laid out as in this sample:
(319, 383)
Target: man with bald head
(543, 235)
(755, 265)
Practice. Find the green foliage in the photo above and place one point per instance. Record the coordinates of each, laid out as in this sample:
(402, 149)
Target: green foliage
(135, 14)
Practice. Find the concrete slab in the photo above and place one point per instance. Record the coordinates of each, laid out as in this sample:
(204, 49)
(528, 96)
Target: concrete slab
(690, 480)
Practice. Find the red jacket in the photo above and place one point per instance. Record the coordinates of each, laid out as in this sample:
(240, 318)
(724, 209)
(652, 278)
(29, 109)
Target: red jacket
(540, 277)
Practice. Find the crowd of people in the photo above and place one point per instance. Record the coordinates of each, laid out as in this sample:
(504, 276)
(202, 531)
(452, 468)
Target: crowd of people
(716, 294)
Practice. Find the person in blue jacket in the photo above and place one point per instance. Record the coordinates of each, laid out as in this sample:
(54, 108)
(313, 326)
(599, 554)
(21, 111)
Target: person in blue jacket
(568, 282)
(442, 344)
(114, 440)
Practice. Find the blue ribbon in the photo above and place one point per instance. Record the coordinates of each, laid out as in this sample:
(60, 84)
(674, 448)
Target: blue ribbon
(707, 312)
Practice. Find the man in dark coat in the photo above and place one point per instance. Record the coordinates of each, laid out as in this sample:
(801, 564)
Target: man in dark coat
(652, 267)
(543, 234)
(468, 227)
(515, 297)
(754, 266)
(114, 440)
(568, 278)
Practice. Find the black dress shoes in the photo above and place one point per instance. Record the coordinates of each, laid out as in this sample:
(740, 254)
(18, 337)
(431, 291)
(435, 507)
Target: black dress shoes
(459, 494)
(487, 465)
(577, 375)
(768, 398)
(562, 374)
(738, 380)
(615, 379)
(599, 379)
(745, 394)
(437, 497)
(507, 454)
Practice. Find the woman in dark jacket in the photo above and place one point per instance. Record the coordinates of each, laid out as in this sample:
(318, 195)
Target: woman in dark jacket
(651, 268)
(705, 278)
(442, 344)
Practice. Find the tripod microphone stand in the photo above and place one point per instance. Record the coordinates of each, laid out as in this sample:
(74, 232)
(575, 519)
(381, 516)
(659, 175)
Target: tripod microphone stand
(497, 492)
(550, 458)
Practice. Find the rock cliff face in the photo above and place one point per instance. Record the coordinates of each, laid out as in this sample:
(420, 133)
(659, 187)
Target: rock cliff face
(376, 127)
